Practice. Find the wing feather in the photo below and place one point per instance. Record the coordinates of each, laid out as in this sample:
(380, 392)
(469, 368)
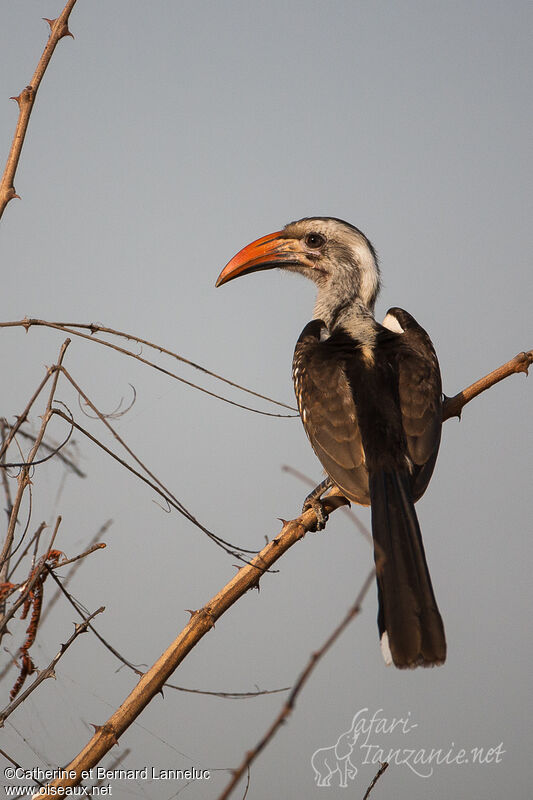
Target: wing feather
(420, 396)
(329, 415)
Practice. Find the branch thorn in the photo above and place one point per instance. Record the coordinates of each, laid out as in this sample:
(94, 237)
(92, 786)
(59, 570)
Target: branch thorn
(64, 30)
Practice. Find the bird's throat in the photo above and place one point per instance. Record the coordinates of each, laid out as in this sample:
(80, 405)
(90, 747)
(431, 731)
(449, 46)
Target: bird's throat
(347, 312)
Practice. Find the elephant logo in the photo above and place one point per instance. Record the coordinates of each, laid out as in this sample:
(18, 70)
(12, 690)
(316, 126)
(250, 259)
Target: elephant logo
(335, 760)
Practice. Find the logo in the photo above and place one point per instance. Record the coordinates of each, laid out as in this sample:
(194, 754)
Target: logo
(366, 742)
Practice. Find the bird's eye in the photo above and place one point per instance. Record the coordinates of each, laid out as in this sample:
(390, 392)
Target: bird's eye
(315, 240)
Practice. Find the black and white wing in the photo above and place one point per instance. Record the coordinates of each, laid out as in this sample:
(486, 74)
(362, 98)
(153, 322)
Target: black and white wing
(420, 395)
(328, 413)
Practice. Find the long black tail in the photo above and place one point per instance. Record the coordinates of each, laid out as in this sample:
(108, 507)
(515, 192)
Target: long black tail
(409, 622)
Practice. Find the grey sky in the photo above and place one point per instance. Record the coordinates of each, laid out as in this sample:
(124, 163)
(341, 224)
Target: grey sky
(165, 137)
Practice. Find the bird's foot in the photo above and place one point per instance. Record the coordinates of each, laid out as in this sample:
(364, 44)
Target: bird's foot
(320, 512)
(313, 501)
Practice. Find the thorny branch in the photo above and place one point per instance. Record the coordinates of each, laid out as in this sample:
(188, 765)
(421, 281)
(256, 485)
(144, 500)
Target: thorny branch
(453, 406)
(26, 99)
(49, 671)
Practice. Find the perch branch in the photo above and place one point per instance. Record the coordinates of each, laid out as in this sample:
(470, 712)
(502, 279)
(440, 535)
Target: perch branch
(453, 406)
(26, 99)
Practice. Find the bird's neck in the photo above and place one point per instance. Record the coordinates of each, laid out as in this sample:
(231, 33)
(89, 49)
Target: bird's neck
(339, 308)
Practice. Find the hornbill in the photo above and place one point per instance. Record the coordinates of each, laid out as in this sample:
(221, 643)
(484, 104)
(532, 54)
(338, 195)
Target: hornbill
(370, 400)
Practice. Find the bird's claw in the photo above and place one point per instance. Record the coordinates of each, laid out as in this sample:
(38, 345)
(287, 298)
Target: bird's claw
(320, 513)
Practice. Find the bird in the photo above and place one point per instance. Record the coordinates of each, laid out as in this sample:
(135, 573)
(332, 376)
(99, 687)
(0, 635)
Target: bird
(370, 399)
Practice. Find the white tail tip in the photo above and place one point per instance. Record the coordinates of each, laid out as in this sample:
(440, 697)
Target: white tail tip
(385, 649)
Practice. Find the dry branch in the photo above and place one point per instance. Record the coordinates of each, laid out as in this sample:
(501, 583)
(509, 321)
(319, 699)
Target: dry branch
(26, 99)
(49, 671)
(454, 405)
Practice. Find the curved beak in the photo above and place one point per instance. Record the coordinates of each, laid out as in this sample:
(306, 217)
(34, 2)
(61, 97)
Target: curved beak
(266, 253)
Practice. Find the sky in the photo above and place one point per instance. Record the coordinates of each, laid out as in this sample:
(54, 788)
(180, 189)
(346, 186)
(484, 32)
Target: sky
(164, 138)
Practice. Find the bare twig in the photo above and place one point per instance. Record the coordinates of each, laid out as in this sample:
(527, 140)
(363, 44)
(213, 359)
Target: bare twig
(15, 763)
(33, 541)
(26, 99)
(35, 576)
(4, 567)
(96, 328)
(153, 482)
(49, 671)
(453, 406)
(247, 784)
(91, 549)
(228, 695)
(52, 452)
(68, 462)
(23, 417)
(170, 499)
(4, 427)
(297, 688)
(78, 606)
(26, 589)
(71, 330)
(72, 571)
(24, 475)
(376, 778)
